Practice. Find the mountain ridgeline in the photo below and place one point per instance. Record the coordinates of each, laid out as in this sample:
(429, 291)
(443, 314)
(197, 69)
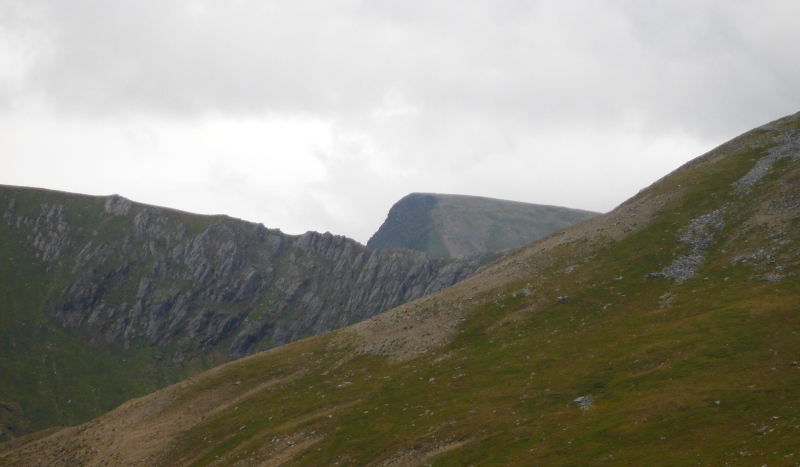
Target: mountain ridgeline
(662, 333)
(103, 299)
(457, 226)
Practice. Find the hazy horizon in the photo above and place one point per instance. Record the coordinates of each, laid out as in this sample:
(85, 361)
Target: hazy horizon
(312, 115)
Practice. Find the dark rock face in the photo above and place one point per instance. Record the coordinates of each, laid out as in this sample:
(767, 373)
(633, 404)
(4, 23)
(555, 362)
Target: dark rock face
(408, 224)
(124, 274)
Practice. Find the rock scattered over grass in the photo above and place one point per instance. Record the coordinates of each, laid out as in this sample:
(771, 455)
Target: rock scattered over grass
(699, 235)
(789, 148)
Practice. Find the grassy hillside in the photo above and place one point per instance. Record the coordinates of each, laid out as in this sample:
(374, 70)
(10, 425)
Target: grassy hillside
(49, 377)
(662, 333)
(457, 226)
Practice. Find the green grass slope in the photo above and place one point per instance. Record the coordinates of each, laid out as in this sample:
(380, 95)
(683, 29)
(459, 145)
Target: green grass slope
(662, 333)
(47, 375)
(457, 226)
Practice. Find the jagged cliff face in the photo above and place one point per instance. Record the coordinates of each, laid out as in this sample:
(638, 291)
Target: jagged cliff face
(138, 275)
(123, 276)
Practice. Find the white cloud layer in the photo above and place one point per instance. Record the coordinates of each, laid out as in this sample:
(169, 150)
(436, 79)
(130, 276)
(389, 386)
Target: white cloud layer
(319, 115)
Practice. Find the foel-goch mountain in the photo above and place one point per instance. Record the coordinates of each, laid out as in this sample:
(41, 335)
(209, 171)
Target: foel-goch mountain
(458, 226)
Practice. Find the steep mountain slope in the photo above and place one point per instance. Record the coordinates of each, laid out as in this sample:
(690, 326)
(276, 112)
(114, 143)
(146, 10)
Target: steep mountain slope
(457, 226)
(103, 299)
(662, 333)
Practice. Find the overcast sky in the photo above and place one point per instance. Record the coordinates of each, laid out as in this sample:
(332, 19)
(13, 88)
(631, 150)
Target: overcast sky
(319, 115)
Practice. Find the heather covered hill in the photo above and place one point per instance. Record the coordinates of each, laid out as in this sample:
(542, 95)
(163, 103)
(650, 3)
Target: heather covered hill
(662, 333)
(457, 226)
(103, 299)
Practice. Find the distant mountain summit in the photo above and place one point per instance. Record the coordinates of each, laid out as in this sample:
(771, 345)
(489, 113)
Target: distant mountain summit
(457, 226)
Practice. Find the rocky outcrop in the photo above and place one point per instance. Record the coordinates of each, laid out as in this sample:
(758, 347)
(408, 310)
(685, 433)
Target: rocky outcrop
(787, 146)
(699, 235)
(125, 275)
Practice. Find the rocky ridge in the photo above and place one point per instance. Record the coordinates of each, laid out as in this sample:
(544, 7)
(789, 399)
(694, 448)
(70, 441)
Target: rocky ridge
(137, 275)
(103, 299)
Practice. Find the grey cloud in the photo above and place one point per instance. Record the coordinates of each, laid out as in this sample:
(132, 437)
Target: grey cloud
(439, 95)
(712, 64)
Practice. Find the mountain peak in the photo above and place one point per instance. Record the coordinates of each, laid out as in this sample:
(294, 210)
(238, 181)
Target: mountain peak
(458, 226)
